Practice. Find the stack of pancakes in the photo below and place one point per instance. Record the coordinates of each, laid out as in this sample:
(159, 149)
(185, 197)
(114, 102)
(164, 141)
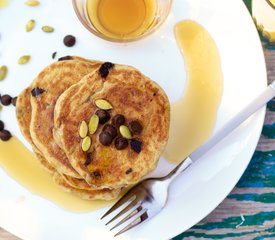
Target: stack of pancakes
(50, 112)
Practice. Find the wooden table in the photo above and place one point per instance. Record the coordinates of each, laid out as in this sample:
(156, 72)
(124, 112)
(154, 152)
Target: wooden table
(249, 211)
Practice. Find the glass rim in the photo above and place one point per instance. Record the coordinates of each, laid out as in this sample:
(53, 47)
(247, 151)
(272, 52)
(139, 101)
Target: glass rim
(118, 40)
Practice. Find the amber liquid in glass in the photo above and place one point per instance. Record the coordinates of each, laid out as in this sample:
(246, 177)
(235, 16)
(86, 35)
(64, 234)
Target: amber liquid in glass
(122, 19)
(263, 12)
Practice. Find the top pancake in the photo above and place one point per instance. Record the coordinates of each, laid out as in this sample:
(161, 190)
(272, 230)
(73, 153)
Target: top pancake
(132, 95)
(49, 85)
(23, 104)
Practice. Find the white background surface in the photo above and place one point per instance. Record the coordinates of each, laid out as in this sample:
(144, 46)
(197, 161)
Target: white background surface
(194, 194)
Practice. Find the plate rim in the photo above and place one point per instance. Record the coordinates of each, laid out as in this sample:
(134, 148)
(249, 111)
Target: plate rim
(260, 115)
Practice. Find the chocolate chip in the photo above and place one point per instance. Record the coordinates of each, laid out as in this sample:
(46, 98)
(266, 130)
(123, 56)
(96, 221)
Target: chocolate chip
(129, 171)
(54, 55)
(105, 138)
(2, 125)
(69, 40)
(37, 91)
(144, 216)
(13, 101)
(135, 127)
(136, 145)
(104, 69)
(121, 143)
(65, 58)
(6, 100)
(103, 115)
(88, 159)
(5, 135)
(96, 174)
(110, 129)
(118, 120)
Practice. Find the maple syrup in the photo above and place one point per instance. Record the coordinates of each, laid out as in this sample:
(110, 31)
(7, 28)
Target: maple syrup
(4, 3)
(22, 166)
(193, 116)
(122, 18)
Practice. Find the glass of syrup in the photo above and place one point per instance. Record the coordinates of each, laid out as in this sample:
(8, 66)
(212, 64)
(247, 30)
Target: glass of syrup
(122, 20)
(263, 12)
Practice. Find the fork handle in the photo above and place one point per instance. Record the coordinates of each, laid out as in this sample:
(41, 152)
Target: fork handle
(257, 103)
(186, 163)
(235, 121)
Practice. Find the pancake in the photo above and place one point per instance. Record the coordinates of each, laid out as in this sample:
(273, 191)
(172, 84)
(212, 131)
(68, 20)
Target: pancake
(24, 110)
(75, 182)
(44, 163)
(45, 90)
(24, 113)
(91, 194)
(130, 94)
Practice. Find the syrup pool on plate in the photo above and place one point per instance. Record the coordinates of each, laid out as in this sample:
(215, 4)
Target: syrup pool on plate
(192, 120)
(121, 18)
(193, 116)
(22, 166)
(4, 3)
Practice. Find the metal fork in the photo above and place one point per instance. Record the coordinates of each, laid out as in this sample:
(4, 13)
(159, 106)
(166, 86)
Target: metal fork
(148, 198)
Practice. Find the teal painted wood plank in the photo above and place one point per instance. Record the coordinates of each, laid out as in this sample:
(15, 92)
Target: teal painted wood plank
(232, 222)
(260, 172)
(268, 233)
(269, 131)
(271, 236)
(248, 4)
(271, 105)
(264, 198)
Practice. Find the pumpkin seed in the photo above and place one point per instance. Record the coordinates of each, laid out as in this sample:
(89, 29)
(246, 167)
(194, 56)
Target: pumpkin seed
(3, 72)
(103, 104)
(83, 129)
(86, 143)
(47, 29)
(93, 124)
(30, 25)
(32, 3)
(125, 132)
(24, 59)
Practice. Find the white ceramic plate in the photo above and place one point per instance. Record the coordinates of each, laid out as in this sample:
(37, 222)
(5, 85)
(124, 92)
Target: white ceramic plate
(194, 194)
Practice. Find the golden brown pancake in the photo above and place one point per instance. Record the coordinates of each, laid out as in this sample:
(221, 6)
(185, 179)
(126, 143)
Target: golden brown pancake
(130, 94)
(24, 112)
(46, 89)
(44, 163)
(76, 183)
(88, 194)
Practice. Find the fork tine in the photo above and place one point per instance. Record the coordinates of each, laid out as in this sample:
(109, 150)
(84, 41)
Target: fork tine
(144, 216)
(132, 204)
(133, 213)
(119, 203)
